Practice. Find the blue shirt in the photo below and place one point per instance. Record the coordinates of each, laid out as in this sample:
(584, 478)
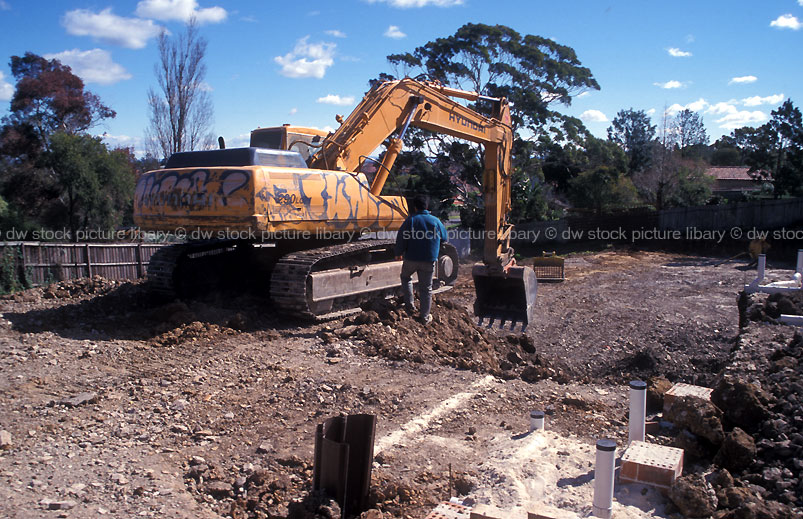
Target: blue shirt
(420, 236)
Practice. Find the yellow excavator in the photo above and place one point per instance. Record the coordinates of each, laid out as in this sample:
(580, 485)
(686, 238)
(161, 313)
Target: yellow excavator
(294, 208)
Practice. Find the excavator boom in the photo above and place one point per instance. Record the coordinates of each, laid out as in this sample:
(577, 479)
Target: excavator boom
(504, 291)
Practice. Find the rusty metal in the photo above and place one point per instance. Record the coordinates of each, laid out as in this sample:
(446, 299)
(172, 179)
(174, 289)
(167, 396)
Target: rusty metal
(344, 453)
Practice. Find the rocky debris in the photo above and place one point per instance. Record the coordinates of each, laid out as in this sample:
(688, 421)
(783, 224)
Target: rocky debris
(317, 505)
(76, 288)
(743, 403)
(218, 489)
(264, 448)
(453, 339)
(694, 448)
(694, 496)
(5, 440)
(86, 397)
(237, 322)
(737, 452)
(195, 331)
(656, 389)
(50, 504)
(697, 415)
(759, 307)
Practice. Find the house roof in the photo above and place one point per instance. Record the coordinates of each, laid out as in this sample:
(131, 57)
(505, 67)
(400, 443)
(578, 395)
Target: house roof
(730, 173)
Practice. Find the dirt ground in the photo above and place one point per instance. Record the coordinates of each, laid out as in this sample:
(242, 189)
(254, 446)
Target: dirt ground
(121, 406)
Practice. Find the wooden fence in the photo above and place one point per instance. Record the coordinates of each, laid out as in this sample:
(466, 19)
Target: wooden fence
(41, 263)
(758, 215)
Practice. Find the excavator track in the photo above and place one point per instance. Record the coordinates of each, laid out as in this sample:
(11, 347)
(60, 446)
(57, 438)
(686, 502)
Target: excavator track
(185, 270)
(290, 291)
(172, 270)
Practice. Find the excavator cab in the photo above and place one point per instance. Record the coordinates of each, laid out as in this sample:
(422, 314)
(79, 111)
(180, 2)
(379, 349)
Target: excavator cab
(305, 141)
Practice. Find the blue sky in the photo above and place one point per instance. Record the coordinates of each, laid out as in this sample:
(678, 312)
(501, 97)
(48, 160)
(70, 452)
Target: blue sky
(273, 62)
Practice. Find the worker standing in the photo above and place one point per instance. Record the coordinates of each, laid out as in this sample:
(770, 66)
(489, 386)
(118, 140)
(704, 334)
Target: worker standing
(418, 242)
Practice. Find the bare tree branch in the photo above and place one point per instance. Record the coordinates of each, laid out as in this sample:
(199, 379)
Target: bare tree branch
(181, 112)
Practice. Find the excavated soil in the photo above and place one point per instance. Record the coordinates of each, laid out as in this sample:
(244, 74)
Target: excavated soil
(120, 405)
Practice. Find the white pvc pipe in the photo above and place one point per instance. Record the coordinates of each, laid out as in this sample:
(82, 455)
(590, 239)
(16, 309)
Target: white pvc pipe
(603, 478)
(794, 320)
(762, 264)
(536, 420)
(638, 410)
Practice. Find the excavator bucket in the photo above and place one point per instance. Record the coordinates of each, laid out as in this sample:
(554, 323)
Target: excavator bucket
(505, 297)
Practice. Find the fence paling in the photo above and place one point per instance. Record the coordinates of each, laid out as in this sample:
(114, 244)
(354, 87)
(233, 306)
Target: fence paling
(40, 263)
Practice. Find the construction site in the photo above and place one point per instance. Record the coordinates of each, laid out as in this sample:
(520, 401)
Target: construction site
(266, 363)
(116, 404)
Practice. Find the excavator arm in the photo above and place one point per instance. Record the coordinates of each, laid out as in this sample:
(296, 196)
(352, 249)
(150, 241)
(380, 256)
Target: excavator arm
(504, 291)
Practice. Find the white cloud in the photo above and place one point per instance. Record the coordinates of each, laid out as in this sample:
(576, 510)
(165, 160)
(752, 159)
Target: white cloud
(742, 80)
(671, 84)
(125, 141)
(183, 10)
(758, 100)
(110, 28)
(786, 21)
(6, 89)
(677, 53)
(651, 111)
(673, 109)
(93, 66)
(689, 38)
(293, 111)
(307, 59)
(4, 6)
(336, 33)
(582, 95)
(395, 33)
(593, 116)
(333, 99)
(697, 106)
(741, 118)
(732, 117)
(405, 4)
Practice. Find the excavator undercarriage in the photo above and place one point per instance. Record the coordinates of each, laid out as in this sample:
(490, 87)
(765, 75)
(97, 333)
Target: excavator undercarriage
(320, 283)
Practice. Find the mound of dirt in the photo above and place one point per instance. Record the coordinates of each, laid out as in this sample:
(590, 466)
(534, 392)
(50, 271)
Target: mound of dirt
(760, 307)
(72, 289)
(452, 338)
(195, 331)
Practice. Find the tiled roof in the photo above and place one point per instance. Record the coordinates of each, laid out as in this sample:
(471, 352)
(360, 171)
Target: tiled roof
(730, 173)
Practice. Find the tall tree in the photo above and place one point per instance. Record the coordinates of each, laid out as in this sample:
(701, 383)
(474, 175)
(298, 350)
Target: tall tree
(181, 113)
(633, 131)
(601, 188)
(96, 184)
(48, 97)
(533, 72)
(775, 150)
(688, 131)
